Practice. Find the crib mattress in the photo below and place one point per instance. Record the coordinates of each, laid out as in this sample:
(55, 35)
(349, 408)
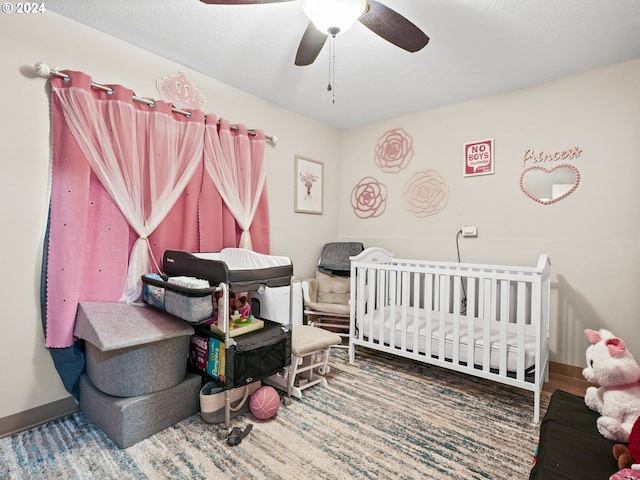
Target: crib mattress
(435, 334)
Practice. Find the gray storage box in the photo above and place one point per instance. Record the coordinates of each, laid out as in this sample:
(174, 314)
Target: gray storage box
(131, 350)
(128, 420)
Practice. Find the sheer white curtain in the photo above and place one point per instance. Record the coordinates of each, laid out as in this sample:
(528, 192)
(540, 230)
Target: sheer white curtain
(143, 155)
(237, 165)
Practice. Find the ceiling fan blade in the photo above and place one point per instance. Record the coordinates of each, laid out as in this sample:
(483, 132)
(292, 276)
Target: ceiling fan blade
(241, 2)
(310, 45)
(393, 27)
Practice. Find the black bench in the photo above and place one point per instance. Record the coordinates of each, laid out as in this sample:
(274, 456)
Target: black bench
(570, 445)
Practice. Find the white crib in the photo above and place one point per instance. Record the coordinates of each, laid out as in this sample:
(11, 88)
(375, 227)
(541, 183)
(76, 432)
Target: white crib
(430, 311)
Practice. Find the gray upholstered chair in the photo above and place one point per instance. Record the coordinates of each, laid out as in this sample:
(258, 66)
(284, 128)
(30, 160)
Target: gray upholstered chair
(326, 296)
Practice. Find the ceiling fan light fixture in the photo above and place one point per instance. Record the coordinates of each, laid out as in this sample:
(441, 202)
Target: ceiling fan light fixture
(333, 16)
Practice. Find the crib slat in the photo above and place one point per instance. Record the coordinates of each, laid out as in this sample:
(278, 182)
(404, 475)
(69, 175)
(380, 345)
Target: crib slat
(520, 321)
(428, 305)
(471, 325)
(404, 291)
(455, 341)
(399, 333)
(361, 299)
(442, 312)
(392, 300)
(416, 322)
(504, 323)
(395, 343)
(374, 289)
(382, 295)
(489, 308)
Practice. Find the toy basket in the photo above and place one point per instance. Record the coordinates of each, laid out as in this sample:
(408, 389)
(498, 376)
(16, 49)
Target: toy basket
(212, 401)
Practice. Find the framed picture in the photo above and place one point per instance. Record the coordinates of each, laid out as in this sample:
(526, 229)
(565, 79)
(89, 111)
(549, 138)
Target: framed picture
(478, 158)
(309, 181)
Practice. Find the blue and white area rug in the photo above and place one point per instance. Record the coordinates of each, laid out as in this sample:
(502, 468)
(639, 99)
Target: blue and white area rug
(381, 418)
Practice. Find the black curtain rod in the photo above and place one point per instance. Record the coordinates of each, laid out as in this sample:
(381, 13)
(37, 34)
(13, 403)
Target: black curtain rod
(46, 71)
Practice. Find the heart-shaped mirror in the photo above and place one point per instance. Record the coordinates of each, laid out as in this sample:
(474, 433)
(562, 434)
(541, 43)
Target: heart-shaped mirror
(547, 186)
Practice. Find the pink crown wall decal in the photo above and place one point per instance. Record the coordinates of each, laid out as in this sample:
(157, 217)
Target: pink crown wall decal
(179, 91)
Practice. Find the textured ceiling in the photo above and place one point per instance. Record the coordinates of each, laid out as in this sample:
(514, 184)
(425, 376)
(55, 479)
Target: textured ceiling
(477, 48)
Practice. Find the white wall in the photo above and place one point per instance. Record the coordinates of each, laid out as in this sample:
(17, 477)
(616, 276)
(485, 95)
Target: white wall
(27, 375)
(591, 236)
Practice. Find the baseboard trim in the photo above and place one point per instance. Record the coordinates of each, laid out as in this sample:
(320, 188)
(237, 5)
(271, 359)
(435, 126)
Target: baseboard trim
(566, 370)
(37, 416)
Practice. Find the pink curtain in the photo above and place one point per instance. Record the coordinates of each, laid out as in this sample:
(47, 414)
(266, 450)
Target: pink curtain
(91, 244)
(143, 155)
(236, 163)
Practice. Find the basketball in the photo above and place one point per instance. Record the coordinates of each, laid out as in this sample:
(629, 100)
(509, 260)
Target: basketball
(264, 402)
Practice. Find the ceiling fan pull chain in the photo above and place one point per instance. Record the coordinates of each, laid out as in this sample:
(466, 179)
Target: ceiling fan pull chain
(332, 74)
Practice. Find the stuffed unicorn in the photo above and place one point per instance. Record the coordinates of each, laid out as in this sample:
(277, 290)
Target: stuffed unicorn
(617, 399)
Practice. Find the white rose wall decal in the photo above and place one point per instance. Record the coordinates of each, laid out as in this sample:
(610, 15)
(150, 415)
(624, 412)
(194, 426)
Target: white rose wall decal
(426, 193)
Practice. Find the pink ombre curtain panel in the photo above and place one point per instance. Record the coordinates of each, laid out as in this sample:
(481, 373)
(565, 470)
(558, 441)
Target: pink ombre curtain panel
(143, 156)
(236, 163)
(174, 204)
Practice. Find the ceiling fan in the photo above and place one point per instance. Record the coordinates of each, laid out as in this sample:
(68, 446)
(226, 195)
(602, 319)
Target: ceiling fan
(326, 19)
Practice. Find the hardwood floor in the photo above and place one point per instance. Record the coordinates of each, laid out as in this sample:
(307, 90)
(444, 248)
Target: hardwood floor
(567, 378)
